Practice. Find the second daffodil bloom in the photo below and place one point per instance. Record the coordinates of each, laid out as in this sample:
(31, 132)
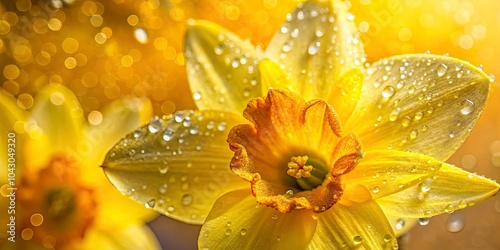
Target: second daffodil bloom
(62, 199)
(331, 153)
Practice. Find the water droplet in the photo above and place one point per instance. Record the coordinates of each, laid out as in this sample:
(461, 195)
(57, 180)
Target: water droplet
(406, 121)
(243, 231)
(387, 238)
(228, 231)
(376, 190)
(197, 95)
(394, 115)
(228, 224)
(287, 46)
(163, 189)
(466, 107)
(168, 134)
(426, 185)
(285, 28)
(194, 130)
(163, 169)
(423, 221)
(154, 125)
(413, 134)
(222, 126)
(441, 70)
(219, 49)
(388, 91)
(289, 192)
(278, 238)
(455, 224)
(138, 133)
(274, 216)
(150, 204)
(187, 199)
(492, 77)
(357, 239)
(313, 48)
(449, 208)
(452, 134)
(400, 223)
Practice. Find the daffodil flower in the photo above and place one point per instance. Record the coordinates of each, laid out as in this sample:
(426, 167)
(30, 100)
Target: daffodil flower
(62, 199)
(330, 154)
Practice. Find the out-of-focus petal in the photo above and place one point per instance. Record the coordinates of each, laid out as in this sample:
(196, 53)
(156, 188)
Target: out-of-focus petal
(385, 172)
(178, 165)
(56, 122)
(360, 226)
(316, 46)
(238, 222)
(222, 69)
(450, 189)
(421, 103)
(116, 120)
(11, 130)
(133, 236)
(273, 77)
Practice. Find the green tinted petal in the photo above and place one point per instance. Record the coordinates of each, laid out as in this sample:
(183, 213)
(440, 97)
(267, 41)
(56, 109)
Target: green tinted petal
(385, 172)
(238, 222)
(316, 46)
(360, 226)
(421, 103)
(58, 113)
(222, 68)
(450, 189)
(178, 165)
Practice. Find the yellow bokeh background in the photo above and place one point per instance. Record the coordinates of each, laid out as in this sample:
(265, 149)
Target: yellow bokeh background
(108, 49)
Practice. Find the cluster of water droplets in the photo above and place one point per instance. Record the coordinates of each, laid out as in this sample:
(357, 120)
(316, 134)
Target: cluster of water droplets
(160, 168)
(318, 37)
(416, 95)
(234, 63)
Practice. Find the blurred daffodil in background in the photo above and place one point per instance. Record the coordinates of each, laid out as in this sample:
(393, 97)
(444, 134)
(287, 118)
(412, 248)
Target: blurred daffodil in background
(62, 199)
(103, 50)
(328, 164)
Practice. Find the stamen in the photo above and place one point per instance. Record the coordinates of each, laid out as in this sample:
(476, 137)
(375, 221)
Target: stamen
(297, 167)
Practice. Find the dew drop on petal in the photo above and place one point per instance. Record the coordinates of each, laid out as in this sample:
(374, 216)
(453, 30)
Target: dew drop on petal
(274, 216)
(400, 223)
(376, 190)
(423, 221)
(222, 126)
(313, 48)
(197, 95)
(163, 189)
(387, 238)
(168, 134)
(388, 91)
(466, 107)
(228, 232)
(154, 125)
(492, 77)
(150, 204)
(243, 231)
(357, 240)
(441, 70)
(455, 224)
(394, 115)
(426, 185)
(187, 199)
(219, 49)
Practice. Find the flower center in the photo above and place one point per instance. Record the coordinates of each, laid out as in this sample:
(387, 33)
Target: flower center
(56, 207)
(308, 172)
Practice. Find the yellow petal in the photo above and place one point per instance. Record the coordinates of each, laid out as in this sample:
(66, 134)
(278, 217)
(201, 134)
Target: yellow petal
(272, 76)
(238, 222)
(58, 113)
(178, 165)
(222, 68)
(385, 172)
(346, 92)
(11, 133)
(135, 236)
(360, 226)
(401, 225)
(316, 46)
(118, 119)
(450, 189)
(421, 103)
